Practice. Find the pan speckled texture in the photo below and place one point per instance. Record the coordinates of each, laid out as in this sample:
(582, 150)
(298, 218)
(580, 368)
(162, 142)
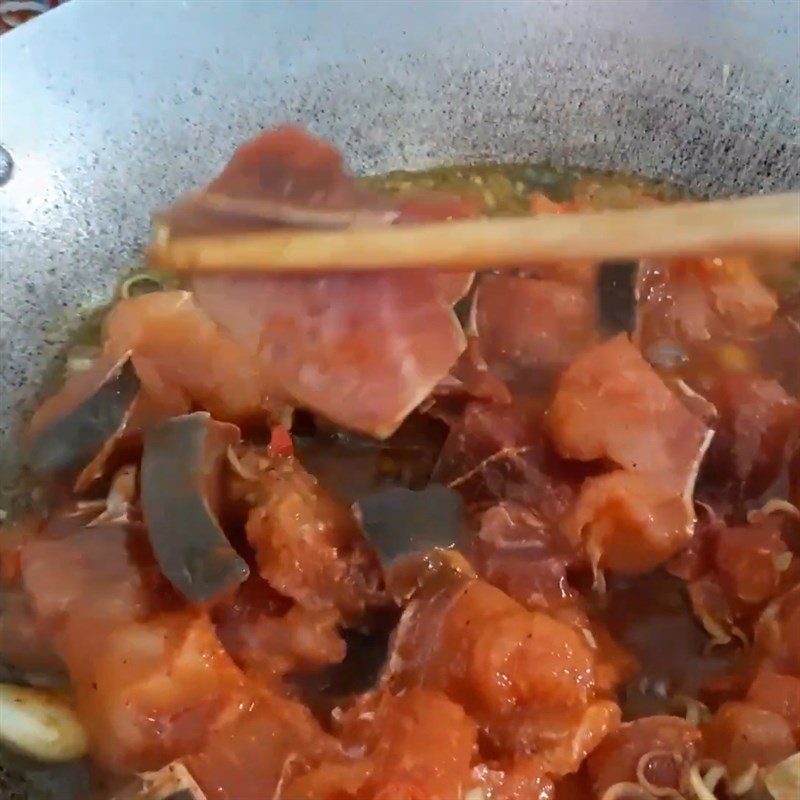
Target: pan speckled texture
(110, 108)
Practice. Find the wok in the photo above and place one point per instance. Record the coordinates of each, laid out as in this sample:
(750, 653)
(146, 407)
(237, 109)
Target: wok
(110, 108)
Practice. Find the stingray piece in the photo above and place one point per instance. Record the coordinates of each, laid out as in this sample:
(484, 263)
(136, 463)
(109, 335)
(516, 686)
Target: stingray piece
(362, 350)
(617, 295)
(401, 521)
(611, 406)
(529, 329)
(72, 427)
(181, 468)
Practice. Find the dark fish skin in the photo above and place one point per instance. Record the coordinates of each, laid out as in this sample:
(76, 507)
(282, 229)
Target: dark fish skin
(616, 296)
(400, 521)
(74, 439)
(181, 458)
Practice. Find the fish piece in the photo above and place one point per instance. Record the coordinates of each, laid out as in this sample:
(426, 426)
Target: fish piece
(751, 560)
(308, 545)
(148, 680)
(25, 644)
(500, 452)
(70, 428)
(692, 300)
(529, 329)
(268, 636)
(524, 556)
(436, 207)
(363, 350)
(733, 571)
(778, 348)
(417, 744)
(484, 431)
(275, 737)
(278, 176)
(469, 379)
(88, 580)
(154, 691)
(629, 522)
(183, 359)
(181, 482)
(777, 633)
(519, 779)
(526, 678)
(611, 406)
(757, 425)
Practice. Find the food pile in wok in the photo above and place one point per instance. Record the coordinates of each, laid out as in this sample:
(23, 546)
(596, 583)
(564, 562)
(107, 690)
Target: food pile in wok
(415, 535)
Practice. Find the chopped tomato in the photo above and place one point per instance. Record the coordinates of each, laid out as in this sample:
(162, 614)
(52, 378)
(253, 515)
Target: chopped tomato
(280, 443)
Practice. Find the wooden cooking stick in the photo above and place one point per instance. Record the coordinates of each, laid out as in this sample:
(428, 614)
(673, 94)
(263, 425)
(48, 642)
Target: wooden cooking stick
(761, 223)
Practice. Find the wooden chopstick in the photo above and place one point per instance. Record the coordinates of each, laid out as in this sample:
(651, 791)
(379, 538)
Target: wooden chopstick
(748, 224)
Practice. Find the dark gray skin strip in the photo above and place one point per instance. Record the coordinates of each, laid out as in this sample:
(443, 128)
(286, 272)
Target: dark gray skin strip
(189, 545)
(401, 521)
(617, 296)
(73, 440)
